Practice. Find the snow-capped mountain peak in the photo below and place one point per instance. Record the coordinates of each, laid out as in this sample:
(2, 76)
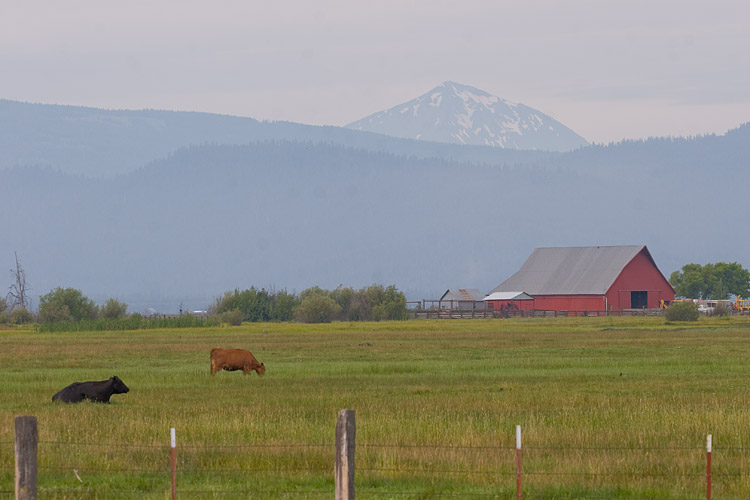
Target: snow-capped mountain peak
(456, 113)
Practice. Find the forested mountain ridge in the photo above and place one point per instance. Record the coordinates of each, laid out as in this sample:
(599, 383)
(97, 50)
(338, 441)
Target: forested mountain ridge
(211, 218)
(699, 155)
(102, 143)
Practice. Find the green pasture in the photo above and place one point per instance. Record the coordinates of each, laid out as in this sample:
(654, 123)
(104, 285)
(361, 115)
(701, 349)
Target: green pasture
(615, 408)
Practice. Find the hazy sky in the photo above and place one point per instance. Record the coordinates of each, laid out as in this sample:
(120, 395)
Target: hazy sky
(609, 69)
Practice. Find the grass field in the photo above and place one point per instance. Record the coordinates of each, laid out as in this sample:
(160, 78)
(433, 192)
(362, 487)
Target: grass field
(609, 407)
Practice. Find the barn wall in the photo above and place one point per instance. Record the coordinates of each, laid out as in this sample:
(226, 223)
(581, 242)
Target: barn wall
(569, 302)
(639, 275)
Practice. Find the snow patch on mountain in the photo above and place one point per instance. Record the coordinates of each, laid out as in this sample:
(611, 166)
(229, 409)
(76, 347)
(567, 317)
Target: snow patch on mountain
(456, 113)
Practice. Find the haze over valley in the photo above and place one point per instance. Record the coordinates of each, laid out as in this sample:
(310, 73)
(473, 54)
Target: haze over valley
(161, 209)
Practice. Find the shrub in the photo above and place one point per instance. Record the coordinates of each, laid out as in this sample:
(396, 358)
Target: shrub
(683, 311)
(54, 313)
(317, 308)
(721, 309)
(20, 316)
(233, 317)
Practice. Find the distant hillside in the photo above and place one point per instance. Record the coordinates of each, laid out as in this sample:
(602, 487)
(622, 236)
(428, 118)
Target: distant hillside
(212, 218)
(460, 114)
(102, 143)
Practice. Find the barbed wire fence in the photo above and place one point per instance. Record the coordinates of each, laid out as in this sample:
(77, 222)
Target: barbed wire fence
(384, 470)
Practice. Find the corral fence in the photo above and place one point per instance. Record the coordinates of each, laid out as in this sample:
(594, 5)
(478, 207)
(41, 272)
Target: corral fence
(446, 312)
(517, 473)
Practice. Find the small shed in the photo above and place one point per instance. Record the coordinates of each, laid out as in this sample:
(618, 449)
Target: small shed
(465, 299)
(503, 301)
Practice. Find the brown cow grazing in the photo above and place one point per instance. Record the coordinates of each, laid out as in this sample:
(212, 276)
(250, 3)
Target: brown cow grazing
(235, 359)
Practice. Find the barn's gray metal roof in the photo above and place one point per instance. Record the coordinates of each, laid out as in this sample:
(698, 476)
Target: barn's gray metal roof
(462, 294)
(571, 270)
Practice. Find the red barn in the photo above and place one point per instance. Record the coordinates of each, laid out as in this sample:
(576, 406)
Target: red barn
(608, 278)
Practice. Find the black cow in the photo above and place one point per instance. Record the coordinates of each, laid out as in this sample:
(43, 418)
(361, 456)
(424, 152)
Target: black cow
(99, 392)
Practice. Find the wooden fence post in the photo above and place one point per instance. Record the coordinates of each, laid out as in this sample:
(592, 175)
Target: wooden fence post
(27, 440)
(345, 434)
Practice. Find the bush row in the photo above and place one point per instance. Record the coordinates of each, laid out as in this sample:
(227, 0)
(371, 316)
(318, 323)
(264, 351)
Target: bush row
(313, 305)
(67, 309)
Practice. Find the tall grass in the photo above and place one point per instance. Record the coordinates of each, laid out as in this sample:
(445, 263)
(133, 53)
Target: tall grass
(132, 322)
(609, 408)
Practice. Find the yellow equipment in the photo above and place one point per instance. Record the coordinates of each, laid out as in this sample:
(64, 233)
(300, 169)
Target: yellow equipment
(741, 305)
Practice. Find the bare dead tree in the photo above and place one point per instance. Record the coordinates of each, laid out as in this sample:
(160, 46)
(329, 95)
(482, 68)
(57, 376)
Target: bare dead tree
(18, 294)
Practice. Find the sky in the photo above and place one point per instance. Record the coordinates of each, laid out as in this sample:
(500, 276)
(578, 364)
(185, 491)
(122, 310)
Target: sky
(608, 69)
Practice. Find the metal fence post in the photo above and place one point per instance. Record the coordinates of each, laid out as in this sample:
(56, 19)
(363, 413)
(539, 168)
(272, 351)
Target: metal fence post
(345, 434)
(27, 439)
(518, 462)
(173, 460)
(708, 467)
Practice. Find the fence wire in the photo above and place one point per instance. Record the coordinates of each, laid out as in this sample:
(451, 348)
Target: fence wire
(235, 469)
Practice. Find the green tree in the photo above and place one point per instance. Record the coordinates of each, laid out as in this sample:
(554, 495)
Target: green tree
(372, 303)
(66, 304)
(113, 309)
(350, 302)
(727, 279)
(713, 281)
(3, 311)
(282, 307)
(255, 304)
(386, 303)
(394, 304)
(688, 282)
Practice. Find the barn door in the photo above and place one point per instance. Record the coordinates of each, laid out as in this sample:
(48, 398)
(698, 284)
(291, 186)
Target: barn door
(638, 300)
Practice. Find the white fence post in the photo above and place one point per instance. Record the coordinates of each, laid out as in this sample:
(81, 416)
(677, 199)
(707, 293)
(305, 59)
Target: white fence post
(173, 459)
(518, 462)
(708, 467)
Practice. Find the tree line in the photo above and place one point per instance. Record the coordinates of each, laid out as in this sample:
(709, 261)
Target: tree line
(716, 281)
(69, 309)
(313, 305)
